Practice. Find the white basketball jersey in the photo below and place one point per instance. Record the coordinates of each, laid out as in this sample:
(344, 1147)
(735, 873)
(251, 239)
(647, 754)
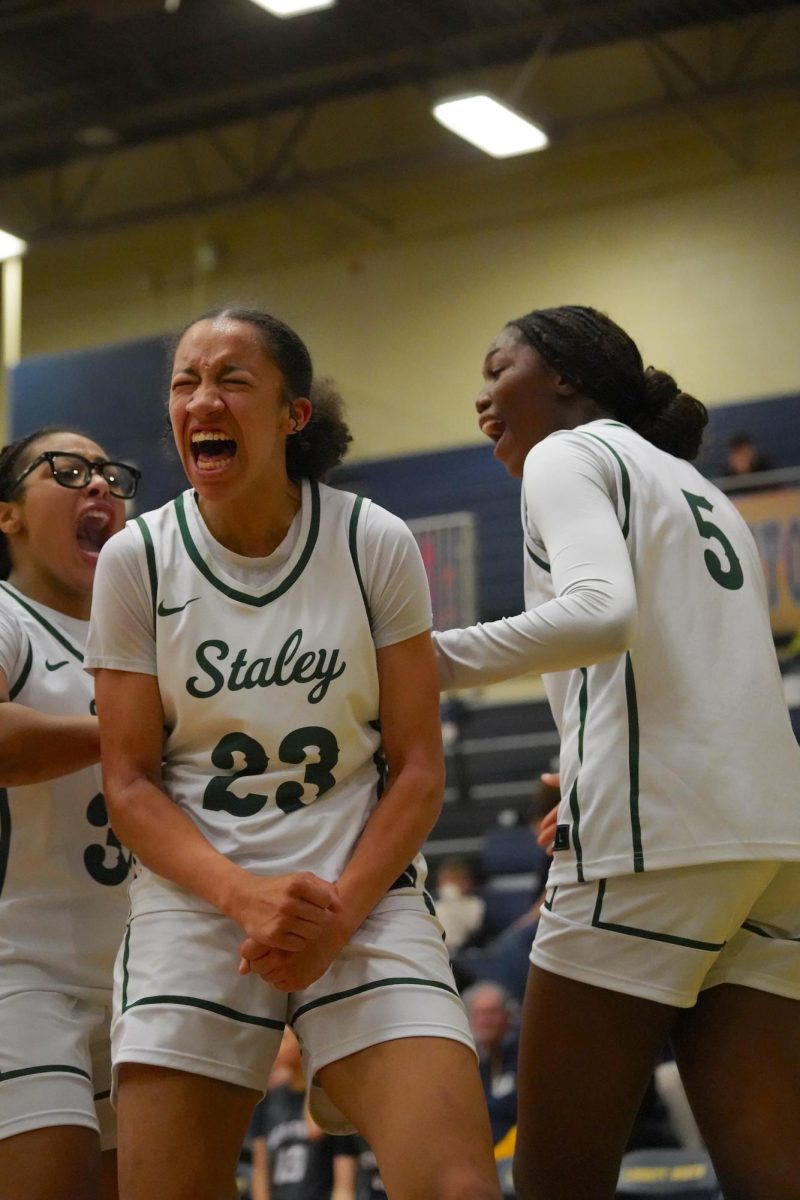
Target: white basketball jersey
(679, 751)
(63, 874)
(270, 696)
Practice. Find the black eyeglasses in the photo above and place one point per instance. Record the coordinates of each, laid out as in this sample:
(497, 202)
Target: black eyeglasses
(75, 471)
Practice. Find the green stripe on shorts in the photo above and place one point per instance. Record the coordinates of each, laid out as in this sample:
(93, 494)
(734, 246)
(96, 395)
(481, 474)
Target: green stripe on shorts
(648, 934)
(222, 1010)
(368, 987)
(752, 928)
(50, 1069)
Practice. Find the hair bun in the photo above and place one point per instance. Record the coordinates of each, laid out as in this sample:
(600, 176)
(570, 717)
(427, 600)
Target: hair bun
(660, 388)
(671, 419)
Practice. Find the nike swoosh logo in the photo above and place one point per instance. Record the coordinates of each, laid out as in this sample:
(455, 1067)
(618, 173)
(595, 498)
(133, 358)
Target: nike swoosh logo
(163, 611)
(54, 666)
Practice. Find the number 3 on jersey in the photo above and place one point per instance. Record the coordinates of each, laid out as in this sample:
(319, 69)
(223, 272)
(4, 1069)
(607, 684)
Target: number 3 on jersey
(733, 577)
(293, 749)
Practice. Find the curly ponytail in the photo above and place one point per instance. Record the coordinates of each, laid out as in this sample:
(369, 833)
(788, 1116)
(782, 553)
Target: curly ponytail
(670, 419)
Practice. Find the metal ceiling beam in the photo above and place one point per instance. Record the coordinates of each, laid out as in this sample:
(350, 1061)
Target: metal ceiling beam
(339, 183)
(575, 25)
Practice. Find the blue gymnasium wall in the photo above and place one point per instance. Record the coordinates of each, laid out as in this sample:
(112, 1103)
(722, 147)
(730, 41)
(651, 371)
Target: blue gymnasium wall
(116, 395)
(774, 423)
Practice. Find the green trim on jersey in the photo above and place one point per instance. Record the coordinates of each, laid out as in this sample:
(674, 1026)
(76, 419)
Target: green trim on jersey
(368, 987)
(574, 804)
(626, 481)
(17, 687)
(751, 927)
(352, 541)
(539, 561)
(233, 593)
(5, 835)
(633, 763)
(548, 904)
(125, 956)
(51, 629)
(150, 555)
(649, 934)
(208, 1006)
(49, 1069)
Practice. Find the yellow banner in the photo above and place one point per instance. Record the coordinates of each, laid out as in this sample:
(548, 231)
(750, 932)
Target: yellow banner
(774, 520)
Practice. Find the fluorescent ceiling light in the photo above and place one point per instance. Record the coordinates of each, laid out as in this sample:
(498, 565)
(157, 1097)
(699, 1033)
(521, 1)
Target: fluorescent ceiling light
(293, 8)
(10, 246)
(490, 125)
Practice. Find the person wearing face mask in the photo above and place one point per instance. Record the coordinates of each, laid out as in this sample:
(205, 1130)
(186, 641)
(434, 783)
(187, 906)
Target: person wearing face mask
(63, 872)
(459, 909)
(673, 902)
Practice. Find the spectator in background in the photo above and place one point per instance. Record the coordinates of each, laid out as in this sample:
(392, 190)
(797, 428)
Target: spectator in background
(744, 459)
(369, 1185)
(744, 456)
(457, 907)
(493, 1018)
(292, 1158)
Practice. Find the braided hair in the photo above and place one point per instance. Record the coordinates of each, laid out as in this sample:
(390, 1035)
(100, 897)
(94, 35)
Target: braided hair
(321, 445)
(602, 362)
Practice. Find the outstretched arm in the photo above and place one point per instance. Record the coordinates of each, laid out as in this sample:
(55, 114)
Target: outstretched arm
(593, 614)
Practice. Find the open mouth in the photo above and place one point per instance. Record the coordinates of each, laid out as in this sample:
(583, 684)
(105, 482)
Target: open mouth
(493, 428)
(93, 530)
(212, 450)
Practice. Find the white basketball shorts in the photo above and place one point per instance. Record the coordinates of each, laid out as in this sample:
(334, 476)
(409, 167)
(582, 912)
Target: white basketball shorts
(55, 1064)
(181, 1003)
(666, 935)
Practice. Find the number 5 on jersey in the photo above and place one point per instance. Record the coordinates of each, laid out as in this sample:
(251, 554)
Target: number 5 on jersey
(732, 577)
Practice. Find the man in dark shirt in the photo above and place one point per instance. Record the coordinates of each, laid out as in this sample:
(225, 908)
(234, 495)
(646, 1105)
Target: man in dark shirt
(292, 1158)
(492, 1018)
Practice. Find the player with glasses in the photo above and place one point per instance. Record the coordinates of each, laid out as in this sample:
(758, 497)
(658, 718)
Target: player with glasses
(63, 873)
(75, 471)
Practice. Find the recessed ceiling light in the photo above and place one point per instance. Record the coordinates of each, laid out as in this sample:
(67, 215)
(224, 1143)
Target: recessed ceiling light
(293, 8)
(490, 125)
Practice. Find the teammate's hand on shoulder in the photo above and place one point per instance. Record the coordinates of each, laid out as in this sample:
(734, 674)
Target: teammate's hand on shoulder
(286, 912)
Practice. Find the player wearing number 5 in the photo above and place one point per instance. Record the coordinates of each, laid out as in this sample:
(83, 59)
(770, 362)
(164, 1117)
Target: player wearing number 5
(279, 631)
(673, 909)
(63, 901)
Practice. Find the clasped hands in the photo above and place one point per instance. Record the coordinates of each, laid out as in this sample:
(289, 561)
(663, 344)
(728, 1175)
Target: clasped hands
(295, 929)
